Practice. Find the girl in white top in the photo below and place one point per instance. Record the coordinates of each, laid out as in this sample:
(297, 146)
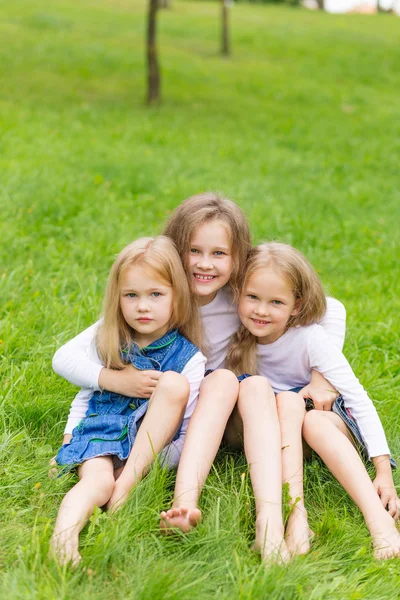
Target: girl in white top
(281, 299)
(212, 236)
(150, 317)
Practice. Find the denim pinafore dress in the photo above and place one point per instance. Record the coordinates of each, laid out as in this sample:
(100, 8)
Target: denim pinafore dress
(112, 420)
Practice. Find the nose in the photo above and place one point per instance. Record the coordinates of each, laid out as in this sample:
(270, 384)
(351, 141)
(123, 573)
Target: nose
(142, 305)
(262, 309)
(204, 263)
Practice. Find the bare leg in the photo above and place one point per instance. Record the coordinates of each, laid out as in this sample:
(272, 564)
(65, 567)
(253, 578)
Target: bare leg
(165, 412)
(94, 489)
(291, 413)
(256, 408)
(218, 396)
(326, 433)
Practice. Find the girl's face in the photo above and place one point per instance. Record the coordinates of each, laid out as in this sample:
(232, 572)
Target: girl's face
(210, 259)
(146, 304)
(266, 304)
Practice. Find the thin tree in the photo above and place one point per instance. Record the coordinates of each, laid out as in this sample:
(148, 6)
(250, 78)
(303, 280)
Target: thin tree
(321, 4)
(153, 70)
(225, 39)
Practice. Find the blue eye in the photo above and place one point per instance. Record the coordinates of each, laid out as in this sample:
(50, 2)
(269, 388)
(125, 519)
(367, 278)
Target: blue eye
(193, 250)
(252, 297)
(156, 294)
(277, 302)
(131, 295)
(219, 253)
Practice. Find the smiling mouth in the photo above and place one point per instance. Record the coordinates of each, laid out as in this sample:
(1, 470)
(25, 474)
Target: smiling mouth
(259, 322)
(199, 277)
(144, 320)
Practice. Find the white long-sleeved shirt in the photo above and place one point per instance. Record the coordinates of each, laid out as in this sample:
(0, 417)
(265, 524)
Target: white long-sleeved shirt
(287, 363)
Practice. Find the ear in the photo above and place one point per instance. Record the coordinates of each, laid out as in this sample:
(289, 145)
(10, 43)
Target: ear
(297, 308)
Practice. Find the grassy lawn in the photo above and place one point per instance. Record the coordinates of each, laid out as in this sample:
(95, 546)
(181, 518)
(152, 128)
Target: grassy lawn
(302, 128)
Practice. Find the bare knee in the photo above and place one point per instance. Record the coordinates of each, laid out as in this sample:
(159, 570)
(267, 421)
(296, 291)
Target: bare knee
(222, 384)
(255, 384)
(103, 481)
(221, 377)
(317, 422)
(314, 422)
(175, 386)
(290, 406)
(254, 390)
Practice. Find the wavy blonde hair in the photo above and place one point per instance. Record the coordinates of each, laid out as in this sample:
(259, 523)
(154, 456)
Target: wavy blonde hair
(205, 207)
(160, 258)
(305, 285)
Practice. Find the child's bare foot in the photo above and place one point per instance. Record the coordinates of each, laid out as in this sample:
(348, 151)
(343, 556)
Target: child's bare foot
(386, 545)
(385, 538)
(180, 518)
(64, 548)
(298, 533)
(270, 543)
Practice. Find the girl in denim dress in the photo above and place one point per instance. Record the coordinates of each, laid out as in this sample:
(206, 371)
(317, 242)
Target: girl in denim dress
(151, 322)
(281, 300)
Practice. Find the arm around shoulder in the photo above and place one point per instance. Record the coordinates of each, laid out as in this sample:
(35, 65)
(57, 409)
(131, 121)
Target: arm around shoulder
(77, 361)
(334, 322)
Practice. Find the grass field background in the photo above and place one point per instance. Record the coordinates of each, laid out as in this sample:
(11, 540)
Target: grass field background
(301, 127)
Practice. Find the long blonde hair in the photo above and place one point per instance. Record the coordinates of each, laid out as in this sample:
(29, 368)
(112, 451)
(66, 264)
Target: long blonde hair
(305, 285)
(205, 207)
(161, 258)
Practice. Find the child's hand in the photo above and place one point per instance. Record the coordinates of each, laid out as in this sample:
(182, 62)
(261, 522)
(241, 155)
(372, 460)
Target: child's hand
(384, 485)
(388, 495)
(320, 391)
(53, 471)
(129, 381)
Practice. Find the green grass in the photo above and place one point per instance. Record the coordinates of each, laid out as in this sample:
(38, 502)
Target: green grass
(301, 127)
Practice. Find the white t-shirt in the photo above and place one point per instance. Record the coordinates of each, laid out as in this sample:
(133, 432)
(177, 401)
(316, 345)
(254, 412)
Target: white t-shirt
(287, 363)
(220, 321)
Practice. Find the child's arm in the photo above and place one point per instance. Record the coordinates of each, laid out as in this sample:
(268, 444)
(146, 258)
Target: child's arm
(77, 411)
(334, 322)
(384, 485)
(321, 392)
(194, 371)
(79, 363)
(328, 360)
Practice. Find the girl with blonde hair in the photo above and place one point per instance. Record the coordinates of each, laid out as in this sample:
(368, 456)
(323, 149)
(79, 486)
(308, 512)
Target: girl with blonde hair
(281, 301)
(150, 322)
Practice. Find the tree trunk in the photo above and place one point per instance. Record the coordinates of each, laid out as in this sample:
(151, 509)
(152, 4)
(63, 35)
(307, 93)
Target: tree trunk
(321, 4)
(225, 43)
(153, 71)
